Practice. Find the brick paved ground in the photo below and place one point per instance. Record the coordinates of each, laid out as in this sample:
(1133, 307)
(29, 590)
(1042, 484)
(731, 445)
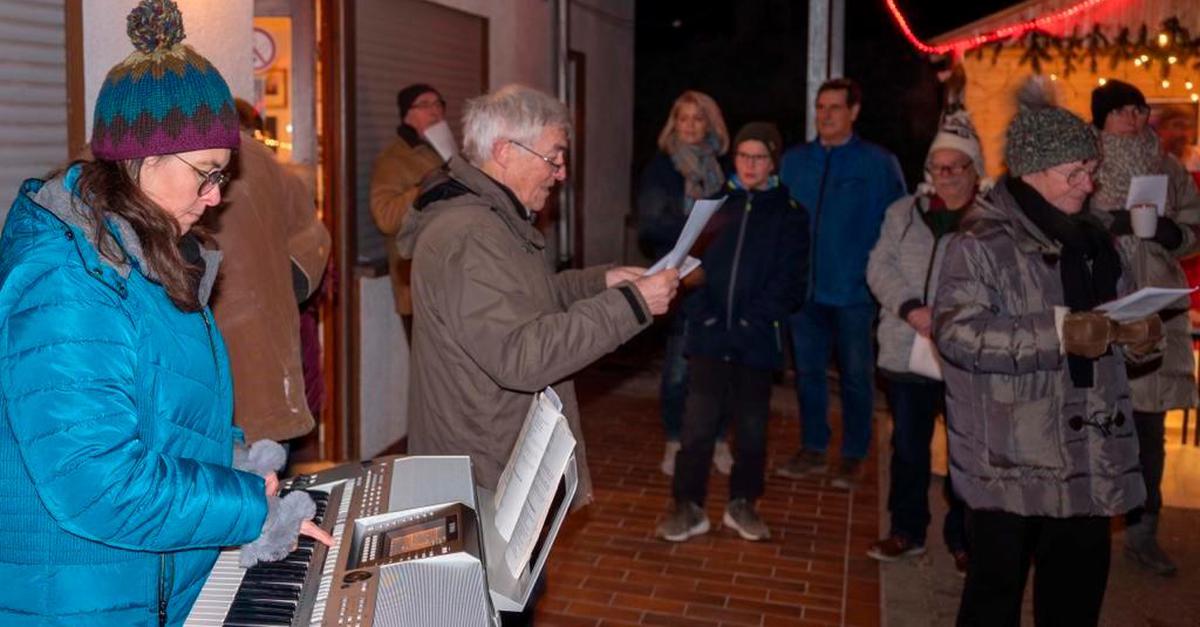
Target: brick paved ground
(608, 569)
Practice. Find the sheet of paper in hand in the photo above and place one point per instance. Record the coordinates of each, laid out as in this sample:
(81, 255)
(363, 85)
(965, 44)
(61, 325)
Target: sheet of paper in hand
(441, 138)
(1142, 303)
(1148, 190)
(701, 212)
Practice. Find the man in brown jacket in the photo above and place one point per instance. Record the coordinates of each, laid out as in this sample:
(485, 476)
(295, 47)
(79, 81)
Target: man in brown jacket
(492, 324)
(275, 250)
(396, 178)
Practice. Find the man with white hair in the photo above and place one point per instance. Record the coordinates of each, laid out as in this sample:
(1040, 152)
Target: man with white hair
(492, 324)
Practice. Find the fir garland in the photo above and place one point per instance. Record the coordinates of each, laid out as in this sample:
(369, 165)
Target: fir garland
(1173, 46)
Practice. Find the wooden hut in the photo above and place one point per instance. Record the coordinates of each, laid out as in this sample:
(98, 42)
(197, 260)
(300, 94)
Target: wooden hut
(1153, 44)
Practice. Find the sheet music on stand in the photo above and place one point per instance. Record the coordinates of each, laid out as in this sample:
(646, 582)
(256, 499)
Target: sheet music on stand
(529, 481)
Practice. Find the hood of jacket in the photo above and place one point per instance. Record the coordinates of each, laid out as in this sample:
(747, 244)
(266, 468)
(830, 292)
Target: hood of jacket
(59, 197)
(450, 186)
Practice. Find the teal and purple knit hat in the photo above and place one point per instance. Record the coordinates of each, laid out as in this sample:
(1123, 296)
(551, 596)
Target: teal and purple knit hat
(164, 97)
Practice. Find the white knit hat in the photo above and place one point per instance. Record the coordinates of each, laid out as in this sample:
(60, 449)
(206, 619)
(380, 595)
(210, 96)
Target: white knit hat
(956, 131)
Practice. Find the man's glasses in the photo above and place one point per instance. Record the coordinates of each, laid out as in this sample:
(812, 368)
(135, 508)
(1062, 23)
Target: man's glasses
(945, 171)
(430, 104)
(555, 166)
(208, 180)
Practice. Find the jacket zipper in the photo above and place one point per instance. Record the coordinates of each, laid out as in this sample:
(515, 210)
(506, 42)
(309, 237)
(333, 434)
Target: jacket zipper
(737, 258)
(932, 257)
(163, 594)
(212, 344)
(812, 264)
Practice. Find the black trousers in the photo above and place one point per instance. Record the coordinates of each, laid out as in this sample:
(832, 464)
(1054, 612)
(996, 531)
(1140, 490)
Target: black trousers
(1151, 434)
(719, 388)
(1070, 558)
(915, 404)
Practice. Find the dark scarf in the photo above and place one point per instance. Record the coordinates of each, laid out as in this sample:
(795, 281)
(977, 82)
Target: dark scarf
(411, 136)
(1088, 263)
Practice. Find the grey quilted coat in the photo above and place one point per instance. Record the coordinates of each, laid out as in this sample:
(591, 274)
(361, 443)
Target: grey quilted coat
(1024, 439)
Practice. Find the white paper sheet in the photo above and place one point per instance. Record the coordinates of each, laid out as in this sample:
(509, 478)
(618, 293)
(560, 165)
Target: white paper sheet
(1148, 190)
(701, 212)
(1142, 303)
(924, 358)
(441, 138)
(689, 263)
(520, 472)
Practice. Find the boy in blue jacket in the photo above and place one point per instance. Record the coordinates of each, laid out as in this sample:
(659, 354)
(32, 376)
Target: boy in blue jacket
(755, 271)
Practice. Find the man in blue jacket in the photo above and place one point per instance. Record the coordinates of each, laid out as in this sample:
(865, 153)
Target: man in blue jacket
(847, 184)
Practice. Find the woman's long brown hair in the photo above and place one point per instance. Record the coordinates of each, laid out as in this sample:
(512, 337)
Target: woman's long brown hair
(110, 188)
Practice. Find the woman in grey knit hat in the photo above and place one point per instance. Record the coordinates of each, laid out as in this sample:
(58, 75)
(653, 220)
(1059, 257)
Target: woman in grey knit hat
(1042, 444)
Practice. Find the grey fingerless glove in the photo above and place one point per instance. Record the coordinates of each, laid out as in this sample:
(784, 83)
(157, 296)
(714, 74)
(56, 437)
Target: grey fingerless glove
(261, 458)
(280, 530)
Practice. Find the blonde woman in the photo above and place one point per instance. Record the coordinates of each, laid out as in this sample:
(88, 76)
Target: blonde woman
(687, 168)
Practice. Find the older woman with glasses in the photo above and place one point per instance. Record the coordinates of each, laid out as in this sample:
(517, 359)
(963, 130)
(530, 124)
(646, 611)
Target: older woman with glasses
(492, 325)
(117, 434)
(902, 273)
(1041, 437)
(1131, 148)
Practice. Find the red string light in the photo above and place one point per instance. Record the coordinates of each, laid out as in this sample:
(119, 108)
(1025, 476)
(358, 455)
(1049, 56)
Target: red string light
(1004, 32)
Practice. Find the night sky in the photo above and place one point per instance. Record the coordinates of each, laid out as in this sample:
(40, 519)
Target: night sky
(750, 56)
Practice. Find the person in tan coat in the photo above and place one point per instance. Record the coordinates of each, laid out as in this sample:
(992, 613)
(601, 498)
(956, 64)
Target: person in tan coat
(396, 178)
(492, 323)
(275, 250)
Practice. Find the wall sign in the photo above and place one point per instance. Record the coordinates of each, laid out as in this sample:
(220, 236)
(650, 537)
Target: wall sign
(264, 50)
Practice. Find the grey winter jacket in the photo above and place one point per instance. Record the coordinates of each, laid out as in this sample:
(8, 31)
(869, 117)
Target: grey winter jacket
(493, 325)
(1166, 383)
(1024, 439)
(904, 266)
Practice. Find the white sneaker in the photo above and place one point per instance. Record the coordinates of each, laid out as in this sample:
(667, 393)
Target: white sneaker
(723, 457)
(668, 461)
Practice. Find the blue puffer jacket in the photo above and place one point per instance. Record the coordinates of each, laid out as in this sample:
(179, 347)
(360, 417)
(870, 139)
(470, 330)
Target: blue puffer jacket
(754, 273)
(847, 189)
(116, 438)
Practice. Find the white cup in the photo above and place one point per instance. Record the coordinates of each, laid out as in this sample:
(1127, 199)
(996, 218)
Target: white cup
(1144, 220)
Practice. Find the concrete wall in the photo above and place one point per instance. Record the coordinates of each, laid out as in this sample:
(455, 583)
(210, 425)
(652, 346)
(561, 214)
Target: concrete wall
(383, 368)
(520, 39)
(221, 31)
(603, 31)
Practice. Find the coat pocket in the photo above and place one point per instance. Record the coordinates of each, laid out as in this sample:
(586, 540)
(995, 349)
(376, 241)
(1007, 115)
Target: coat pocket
(1025, 434)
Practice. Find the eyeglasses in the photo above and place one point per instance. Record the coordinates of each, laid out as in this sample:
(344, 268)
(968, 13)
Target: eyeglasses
(945, 171)
(208, 180)
(555, 166)
(1076, 175)
(755, 159)
(1132, 109)
(430, 104)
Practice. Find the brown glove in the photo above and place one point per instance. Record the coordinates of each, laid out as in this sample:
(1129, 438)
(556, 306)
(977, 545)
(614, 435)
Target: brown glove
(1087, 333)
(1140, 337)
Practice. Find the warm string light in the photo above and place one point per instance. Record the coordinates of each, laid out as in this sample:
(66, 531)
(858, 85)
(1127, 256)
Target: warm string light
(1020, 28)
(1004, 32)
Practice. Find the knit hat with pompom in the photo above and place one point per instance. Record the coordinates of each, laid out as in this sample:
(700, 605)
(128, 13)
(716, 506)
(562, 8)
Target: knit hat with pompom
(1043, 134)
(164, 97)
